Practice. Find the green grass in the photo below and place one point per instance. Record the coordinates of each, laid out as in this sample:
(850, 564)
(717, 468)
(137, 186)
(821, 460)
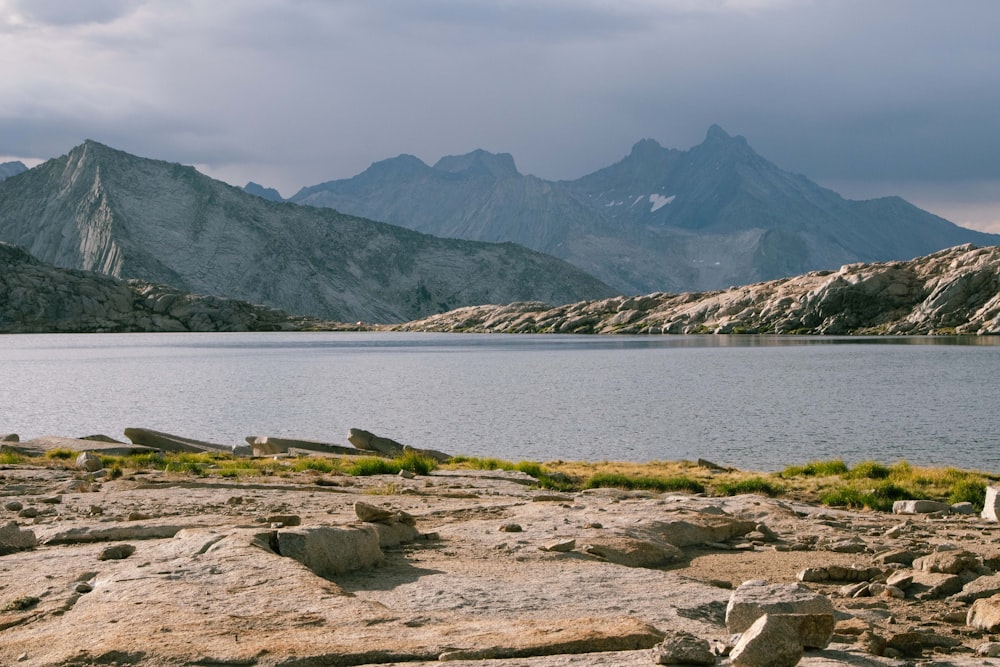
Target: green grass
(632, 482)
(61, 454)
(373, 465)
(870, 470)
(12, 458)
(757, 485)
(879, 498)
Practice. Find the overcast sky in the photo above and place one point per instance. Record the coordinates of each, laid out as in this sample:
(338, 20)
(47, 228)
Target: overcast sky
(868, 97)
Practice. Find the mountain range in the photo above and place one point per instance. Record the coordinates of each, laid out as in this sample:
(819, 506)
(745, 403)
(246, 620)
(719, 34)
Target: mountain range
(100, 209)
(660, 219)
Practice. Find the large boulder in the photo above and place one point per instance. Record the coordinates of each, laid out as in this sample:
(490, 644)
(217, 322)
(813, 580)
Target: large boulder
(332, 550)
(771, 641)
(753, 599)
(89, 462)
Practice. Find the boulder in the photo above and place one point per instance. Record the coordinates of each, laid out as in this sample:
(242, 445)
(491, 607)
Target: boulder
(46, 443)
(980, 587)
(984, 614)
(991, 508)
(919, 507)
(933, 585)
(13, 538)
(331, 550)
(753, 599)
(633, 552)
(172, 443)
(369, 442)
(948, 562)
(265, 445)
(116, 552)
(9, 437)
(89, 462)
(771, 641)
(683, 648)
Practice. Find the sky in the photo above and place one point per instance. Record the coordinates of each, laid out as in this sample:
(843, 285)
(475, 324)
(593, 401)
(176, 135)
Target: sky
(867, 97)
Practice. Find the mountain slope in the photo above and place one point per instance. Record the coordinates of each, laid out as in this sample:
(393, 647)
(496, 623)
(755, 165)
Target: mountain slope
(660, 219)
(104, 210)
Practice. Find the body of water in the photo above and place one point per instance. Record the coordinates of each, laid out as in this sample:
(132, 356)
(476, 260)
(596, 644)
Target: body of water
(756, 402)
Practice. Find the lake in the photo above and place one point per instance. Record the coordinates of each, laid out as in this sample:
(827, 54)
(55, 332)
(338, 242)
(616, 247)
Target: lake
(755, 402)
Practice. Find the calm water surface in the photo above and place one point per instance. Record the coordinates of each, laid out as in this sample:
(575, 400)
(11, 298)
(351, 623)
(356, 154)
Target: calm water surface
(754, 402)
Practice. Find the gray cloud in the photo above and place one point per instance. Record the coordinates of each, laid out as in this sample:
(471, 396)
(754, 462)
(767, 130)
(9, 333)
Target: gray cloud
(858, 95)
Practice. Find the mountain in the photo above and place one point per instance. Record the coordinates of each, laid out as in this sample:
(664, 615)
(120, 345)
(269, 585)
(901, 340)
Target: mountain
(39, 298)
(956, 290)
(104, 210)
(8, 169)
(660, 219)
(269, 194)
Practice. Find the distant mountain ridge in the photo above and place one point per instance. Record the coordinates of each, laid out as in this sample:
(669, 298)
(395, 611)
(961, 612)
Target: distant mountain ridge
(8, 169)
(660, 219)
(104, 210)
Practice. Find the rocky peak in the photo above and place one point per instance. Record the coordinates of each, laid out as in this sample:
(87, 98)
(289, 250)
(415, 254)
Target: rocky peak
(498, 165)
(259, 190)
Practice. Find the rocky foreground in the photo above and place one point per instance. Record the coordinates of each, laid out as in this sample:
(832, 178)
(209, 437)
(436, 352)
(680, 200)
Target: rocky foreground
(475, 567)
(955, 291)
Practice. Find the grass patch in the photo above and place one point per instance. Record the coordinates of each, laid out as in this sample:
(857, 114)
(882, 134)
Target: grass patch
(631, 482)
(879, 498)
(757, 485)
(969, 491)
(373, 465)
(12, 458)
(316, 464)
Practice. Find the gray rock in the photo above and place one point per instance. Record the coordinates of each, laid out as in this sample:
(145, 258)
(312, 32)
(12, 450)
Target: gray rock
(286, 520)
(989, 650)
(632, 551)
(560, 546)
(753, 599)
(9, 437)
(963, 508)
(919, 507)
(171, 443)
(683, 648)
(372, 514)
(14, 538)
(89, 461)
(13, 506)
(933, 585)
(265, 445)
(771, 641)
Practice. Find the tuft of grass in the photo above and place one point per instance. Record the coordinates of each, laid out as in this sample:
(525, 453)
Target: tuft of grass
(12, 458)
(971, 491)
(390, 489)
(870, 470)
(416, 462)
(22, 603)
(316, 463)
(757, 485)
(816, 469)
(630, 482)
(373, 465)
(879, 498)
(61, 454)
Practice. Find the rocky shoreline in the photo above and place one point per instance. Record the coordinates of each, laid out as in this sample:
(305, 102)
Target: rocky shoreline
(474, 567)
(955, 291)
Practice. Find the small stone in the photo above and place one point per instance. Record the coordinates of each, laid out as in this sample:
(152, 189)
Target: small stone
(683, 648)
(963, 508)
(13, 538)
(83, 588)
(371, 513)
(116, 552)
(51, 500)
(28, 513)
(406, 474)
(511, 528)
(138, 516)
(771, 641)
(13, 506)
(561, 546)
(285, 520)
(235, 500)
(984, 614)
(989, 650)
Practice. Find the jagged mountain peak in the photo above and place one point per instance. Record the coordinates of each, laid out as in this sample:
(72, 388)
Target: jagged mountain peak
(499, 165)
(8, 169)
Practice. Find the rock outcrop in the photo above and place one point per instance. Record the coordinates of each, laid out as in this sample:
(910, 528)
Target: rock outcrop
(955, 291)
(38, 298)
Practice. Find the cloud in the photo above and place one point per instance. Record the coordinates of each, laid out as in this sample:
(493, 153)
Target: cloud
(294, 92)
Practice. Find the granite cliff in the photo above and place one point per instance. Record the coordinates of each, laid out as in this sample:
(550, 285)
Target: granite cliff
(952, 291)
(660, 219)
(103, 210)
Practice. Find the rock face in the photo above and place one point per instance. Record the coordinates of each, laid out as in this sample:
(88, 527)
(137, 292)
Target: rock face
(8, 169)
(952, 291)
(103, 210)
(718, 214)
(40, 298)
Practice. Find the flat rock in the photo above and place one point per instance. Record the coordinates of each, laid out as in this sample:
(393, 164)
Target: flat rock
(41, 445)
(632, 551)
(172, 443)
(919, 507)
(266, 445)
(980, 587)
(984, 614)
(948, 562)
(683, 648)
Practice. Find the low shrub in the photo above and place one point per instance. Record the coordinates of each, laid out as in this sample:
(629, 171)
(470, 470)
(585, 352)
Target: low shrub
(314, 463)
(416, 462)
(61, 454)
(12, 458)
(373, 465)
(970, 491)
